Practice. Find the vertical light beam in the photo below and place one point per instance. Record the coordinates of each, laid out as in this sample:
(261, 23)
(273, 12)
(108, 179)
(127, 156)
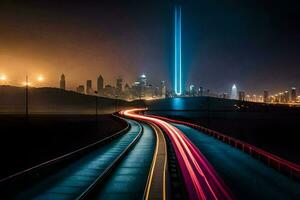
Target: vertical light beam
(177, 50)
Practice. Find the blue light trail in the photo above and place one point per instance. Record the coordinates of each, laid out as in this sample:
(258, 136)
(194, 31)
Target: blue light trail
(177, 50)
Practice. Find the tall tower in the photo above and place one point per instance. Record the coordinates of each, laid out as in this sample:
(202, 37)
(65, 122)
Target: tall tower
(62, 84)
(119, 88)
(100, 85)
(293, 94)
(177, 50)
(89, 89)
(234, 92)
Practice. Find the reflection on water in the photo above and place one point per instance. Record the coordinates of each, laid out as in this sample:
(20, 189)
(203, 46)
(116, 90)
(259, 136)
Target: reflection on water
(177, 104)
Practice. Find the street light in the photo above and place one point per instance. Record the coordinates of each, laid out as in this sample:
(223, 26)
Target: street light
(40, 78)
(26, 96)
(3, 77)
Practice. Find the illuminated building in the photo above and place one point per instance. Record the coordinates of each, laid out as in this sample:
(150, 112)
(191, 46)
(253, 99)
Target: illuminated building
(193, 90)
(241, 95)
(177, 50)
(100, 84)
(234, 92)
(62, 82)
(254, 98)
(80, 89)
(163, 89)
(266, 96)
(89, 89)
(286, 97)
(127, 92)
(143, 80)
(225, 96)
(119, 88)
(136, 90)
(109, 91)
(293, 94)
(248, 98)
(201, 91)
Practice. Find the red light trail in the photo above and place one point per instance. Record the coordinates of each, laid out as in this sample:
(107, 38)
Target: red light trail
(202, 182)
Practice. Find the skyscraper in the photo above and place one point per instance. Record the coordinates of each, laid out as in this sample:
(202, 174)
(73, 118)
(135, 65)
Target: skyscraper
(193, 90)
(62, 82)
(234, 92)
(89, 89)
(286, 97)
(266, 96)
(241, 95)
(143, 80)
(100, 85)
(119, 88)
(163, 89)
(127, 91)
(293, 94)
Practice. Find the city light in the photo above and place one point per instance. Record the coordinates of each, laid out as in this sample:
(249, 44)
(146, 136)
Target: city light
(177, 50)
(40, 78)
(3, 77)
(26, 83)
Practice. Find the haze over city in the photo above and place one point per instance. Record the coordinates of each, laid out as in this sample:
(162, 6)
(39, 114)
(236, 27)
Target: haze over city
(253, 44)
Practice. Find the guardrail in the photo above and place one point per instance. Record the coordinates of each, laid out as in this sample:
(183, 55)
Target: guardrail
(87, 194)
(22, 178)
(285, 167)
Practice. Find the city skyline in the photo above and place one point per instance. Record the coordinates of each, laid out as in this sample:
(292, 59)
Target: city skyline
(219, 47)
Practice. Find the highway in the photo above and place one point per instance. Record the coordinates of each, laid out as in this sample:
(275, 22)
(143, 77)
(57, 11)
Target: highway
(121, 169)
(129, 179)
(245, 176)
(212, 169)
(200, 179)
(133, 164)
(74, 181)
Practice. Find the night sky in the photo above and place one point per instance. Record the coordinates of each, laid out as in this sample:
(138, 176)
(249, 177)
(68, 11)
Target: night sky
(253, 43)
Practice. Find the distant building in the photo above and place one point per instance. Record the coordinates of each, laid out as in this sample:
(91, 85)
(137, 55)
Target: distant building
(163, 89)
(80, 89)
(193, 90)
(100, 85)
(109, 91)
(234, 92)
(266, 96)
(89, 89)
(225, 96)
(254, 99)
(62, 82)
(127, 92)
(241, 95)
(293, 94)
(201, 91)
(119, 88)
(136, 90)
(143, 80)
(286, 97)
(248, 98)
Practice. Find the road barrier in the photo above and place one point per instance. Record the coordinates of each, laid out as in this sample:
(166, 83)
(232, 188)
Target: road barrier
(285, 167)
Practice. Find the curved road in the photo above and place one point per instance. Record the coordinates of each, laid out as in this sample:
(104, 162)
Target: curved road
(247, 177)
(74, 180)
(129, 179)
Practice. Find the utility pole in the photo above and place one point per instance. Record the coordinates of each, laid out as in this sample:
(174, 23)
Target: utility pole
(26, 97)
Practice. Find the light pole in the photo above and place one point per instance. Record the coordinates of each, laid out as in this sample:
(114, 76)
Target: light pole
(26, 96)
